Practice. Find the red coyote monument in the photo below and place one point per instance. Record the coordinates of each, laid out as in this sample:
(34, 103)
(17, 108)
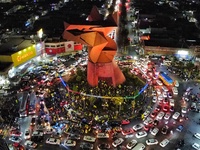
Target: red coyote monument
(101, 48)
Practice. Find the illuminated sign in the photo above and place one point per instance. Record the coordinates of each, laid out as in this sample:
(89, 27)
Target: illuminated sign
(24, 55)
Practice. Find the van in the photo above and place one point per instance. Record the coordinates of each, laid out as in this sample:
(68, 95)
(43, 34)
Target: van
(139, 146)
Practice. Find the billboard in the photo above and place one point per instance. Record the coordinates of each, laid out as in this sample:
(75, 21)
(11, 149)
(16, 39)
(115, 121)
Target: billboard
(23, 55)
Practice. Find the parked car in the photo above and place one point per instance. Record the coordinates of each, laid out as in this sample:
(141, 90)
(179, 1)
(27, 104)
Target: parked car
(154, 131)
(176, 115)
(27, 135)
(102, 135)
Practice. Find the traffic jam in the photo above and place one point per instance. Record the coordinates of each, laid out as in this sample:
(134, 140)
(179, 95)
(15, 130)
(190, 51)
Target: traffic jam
(53, 119)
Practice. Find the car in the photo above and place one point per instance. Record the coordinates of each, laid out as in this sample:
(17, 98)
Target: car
(117, 142)
(131, 144)
(189, 89)
(164, 94)
(15, 139)
(138, 127)
(184, 110)
(148, 121)
(164, 129)
(169, 94)
(53, 141)
(153, 114)
(171, 102)
(176, 115)
(49, 130)
(146, 113)
(141, 134)
(87, 146)
(125, 122)
(158, 91)
(154, 131)
(164, 142)
(102, 135)
(165, 108)
(155, 122)
(154, 100)
(171, 109)
(160, 115)
(196, 146)
(73, 136)
(179, 128)
(30, 144)
(27, 135)
(166, 101)
(127, 131)
(197, 135)
(33, 121)
(89, 138)
(151, 142)
(70, 143)
(176, 83)
(158, 108)
(167, 116)
(103, 146)
(37, 133)
(175, 90)
(159, 82)
(16, 133)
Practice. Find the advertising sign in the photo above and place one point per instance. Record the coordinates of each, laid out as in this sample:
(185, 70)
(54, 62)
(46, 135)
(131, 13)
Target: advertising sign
(24, 55)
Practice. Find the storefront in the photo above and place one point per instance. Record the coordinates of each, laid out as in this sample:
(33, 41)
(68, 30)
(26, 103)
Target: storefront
(23, 55)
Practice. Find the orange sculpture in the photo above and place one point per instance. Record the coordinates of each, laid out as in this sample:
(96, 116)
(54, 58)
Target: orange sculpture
(101, 47)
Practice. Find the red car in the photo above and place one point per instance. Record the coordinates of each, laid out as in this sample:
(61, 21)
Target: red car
(124, 122)
(15, 133)
(127, 131)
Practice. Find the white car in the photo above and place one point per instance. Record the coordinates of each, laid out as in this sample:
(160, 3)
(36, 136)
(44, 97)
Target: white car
(171, 102)
(30, 144)
(70, 143)
(117, 142)
(160, 115)
(89, 138)
(164, 94)
(158, 91)
(138, 127)
(53, 141)
(154, 100)
(154, 131)
(197, 135)
(165, 88)
(176, 115)
(159, 82)
(141, 134)
(167, 116)
(151, 142)
(131, 144)
(102, 135)
(164, 142)
(175, 91)
(148, 121)
(27, 135)
(184, 110)
(196, 146)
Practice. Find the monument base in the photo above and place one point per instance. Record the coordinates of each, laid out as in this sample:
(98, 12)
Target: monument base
(108, 72)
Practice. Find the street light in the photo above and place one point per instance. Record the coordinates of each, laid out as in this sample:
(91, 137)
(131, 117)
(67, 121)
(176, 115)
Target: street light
(40, 35)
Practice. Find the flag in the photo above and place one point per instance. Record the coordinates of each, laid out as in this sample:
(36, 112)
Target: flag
(69, 46)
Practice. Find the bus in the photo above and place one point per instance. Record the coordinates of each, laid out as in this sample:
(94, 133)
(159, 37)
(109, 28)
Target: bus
(32, 103)
(23, 110)
(166, 79)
